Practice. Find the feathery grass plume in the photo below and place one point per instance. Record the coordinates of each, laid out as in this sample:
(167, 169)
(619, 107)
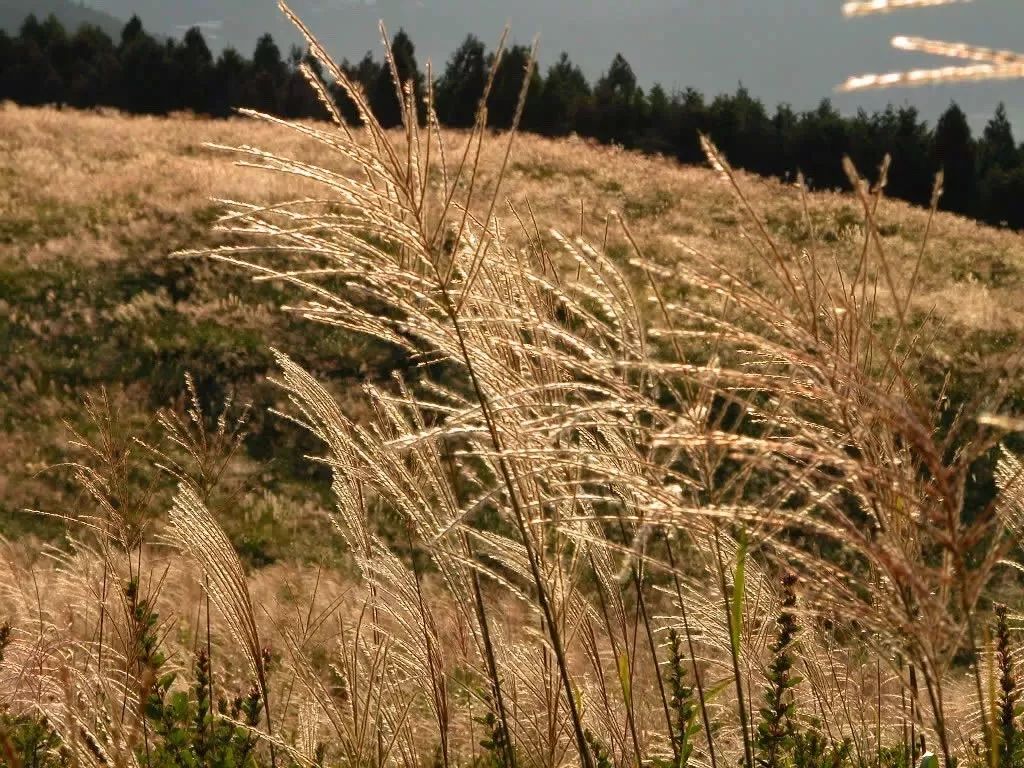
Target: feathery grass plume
(1007, 423)
(864, 7)
(948, 74)
(463, 306)
(892, 473)
(993, 64)
(561, 409)
(419, 486)
(311, 747)
(196, 532)
(109, 471)
(88, 653)
(104, 621)
(957, 50)
(1009, 477)
(364, 705)
(206, 452)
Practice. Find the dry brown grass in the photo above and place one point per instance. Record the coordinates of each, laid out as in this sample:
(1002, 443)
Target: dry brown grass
(140, 171)
(128, 190)
(727, 375)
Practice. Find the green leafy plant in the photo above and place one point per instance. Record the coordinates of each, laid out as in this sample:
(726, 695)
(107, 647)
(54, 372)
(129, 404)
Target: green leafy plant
(776, 728)
(190, 734)
(811, 749)
(599, 752)
(27, 741)
(182, 730)
(682, 703)
(495, 742)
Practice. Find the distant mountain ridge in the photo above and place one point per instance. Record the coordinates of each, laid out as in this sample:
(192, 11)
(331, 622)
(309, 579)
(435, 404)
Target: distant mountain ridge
(71, 14)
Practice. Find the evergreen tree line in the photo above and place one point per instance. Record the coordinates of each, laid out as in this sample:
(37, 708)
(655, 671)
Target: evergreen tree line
(984, 175)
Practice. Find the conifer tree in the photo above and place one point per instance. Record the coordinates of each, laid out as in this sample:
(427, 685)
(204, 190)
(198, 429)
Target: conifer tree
(563, 100)
(508, 83)
(953, 152)
(382, 92)
(96, 68)
(619, 104)
(145, 82)
(264, 87)
(997, 148)
(462, 84)
(193, 72)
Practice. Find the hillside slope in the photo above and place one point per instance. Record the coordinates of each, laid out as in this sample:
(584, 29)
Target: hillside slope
(70, 13)
(90, 300)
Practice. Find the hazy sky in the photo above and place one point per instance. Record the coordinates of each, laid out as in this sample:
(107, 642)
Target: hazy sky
(782, 50)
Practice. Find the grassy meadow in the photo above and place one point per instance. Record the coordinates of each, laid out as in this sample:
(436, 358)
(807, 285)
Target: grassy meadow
(620, 463)
(92, 300)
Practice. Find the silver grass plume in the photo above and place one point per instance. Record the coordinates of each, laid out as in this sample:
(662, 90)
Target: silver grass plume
(989, 64)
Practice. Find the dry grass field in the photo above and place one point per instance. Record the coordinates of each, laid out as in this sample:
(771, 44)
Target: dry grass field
(566, 423)
(92, 205)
